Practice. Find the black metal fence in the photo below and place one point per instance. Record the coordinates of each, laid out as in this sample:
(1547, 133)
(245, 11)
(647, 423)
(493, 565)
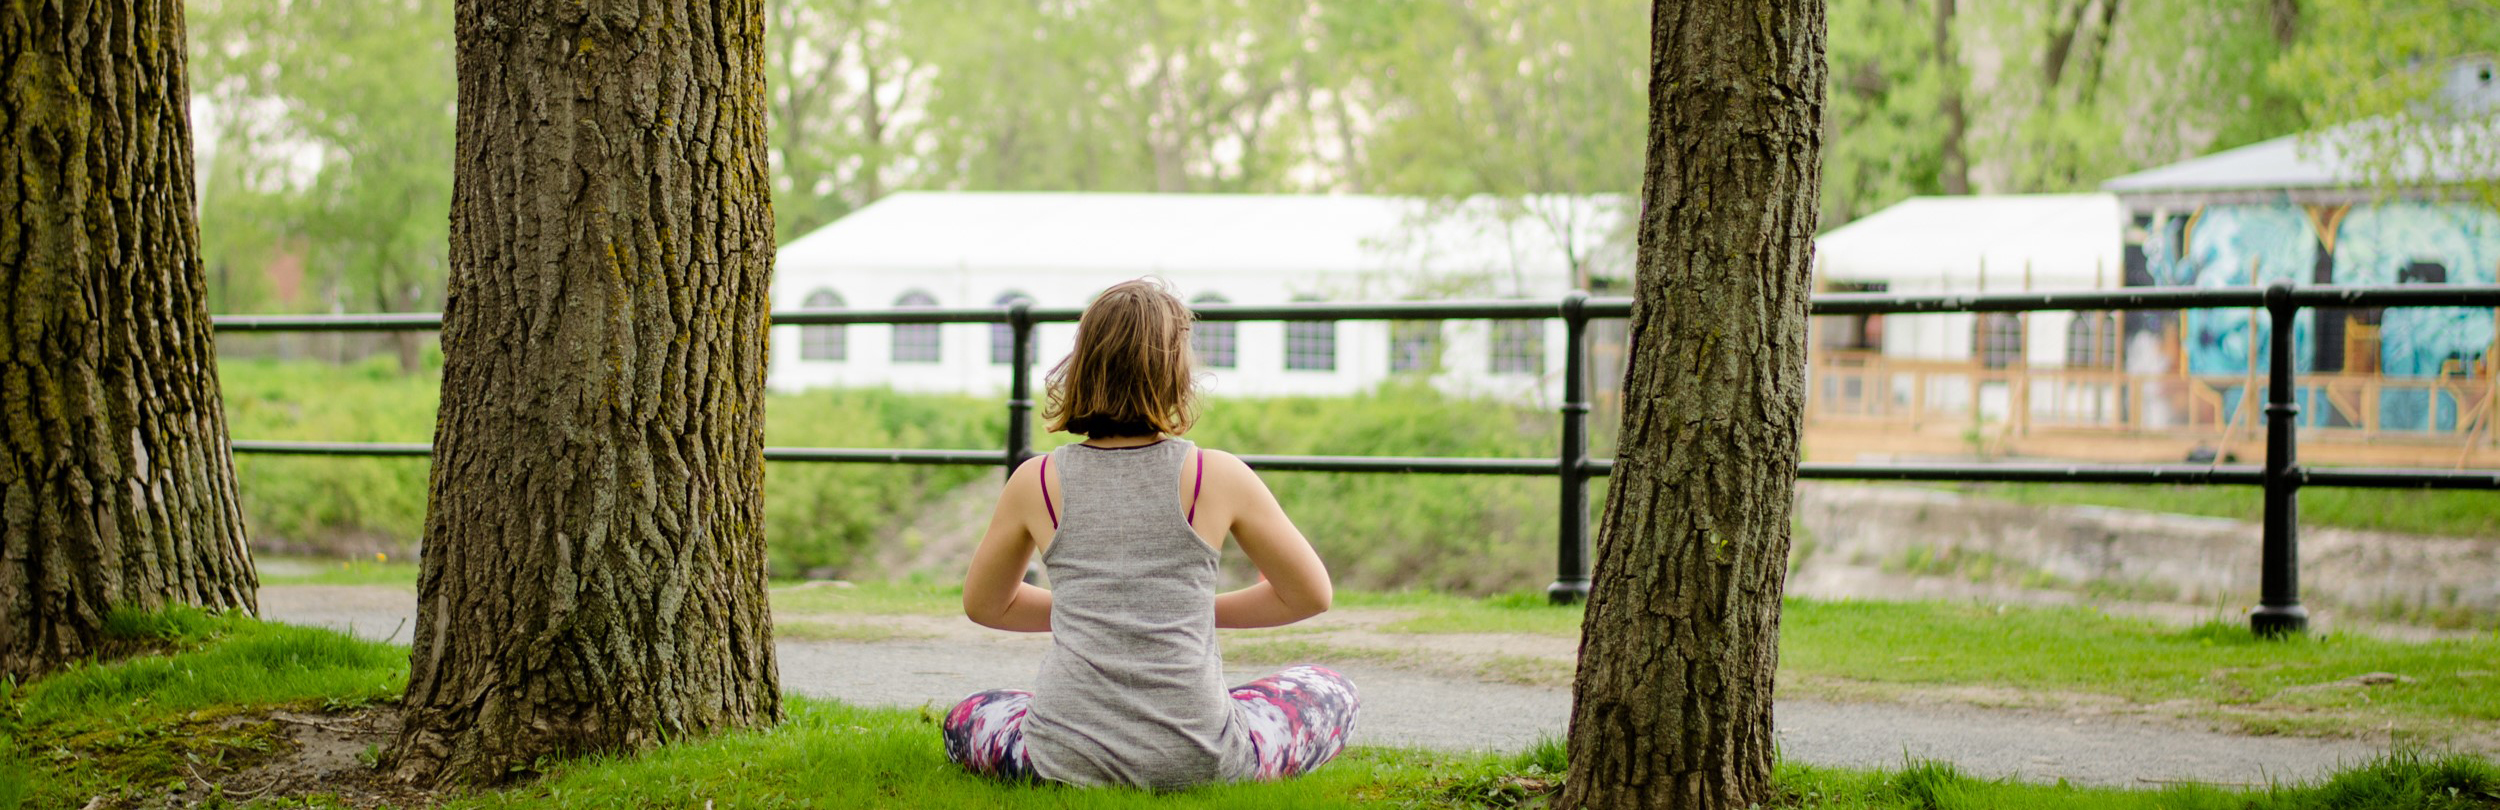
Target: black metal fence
(2279, 609)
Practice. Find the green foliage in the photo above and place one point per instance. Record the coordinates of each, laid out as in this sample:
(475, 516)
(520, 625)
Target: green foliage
(1885, 115)
(2091, 89)
(2382, 64)
(1466, 534)
(819, 517)
(362, 91)
(312, 504)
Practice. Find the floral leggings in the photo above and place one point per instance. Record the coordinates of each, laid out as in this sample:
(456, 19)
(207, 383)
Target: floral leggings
(1298, 719)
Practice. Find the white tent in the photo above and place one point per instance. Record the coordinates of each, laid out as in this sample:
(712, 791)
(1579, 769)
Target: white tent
(1967, 244)
(980, 249)
(1949, 245)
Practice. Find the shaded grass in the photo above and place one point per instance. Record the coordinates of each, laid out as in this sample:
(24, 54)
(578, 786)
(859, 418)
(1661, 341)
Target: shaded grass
(143, 722)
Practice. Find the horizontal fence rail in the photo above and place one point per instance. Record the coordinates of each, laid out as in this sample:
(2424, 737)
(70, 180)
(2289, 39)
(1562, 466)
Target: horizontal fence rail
(2279, 609)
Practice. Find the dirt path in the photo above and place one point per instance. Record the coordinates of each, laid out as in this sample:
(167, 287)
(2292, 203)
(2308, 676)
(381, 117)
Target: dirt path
(1495, 692)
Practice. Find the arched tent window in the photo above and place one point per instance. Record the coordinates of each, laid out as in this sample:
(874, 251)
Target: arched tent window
(1003, 336)
(1997, 339)
(827, 342)
(2092, 340)
(1414, 345)
(1213, 341)
(1310, 345)
(917, 342)
(1518, 347)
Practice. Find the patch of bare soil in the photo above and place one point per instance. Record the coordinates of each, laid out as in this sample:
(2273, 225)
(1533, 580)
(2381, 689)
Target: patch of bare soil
(330, 755)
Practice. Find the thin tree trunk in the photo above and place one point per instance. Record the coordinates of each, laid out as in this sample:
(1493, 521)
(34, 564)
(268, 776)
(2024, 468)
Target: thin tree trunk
(1955, 177)
(594, 550)
(116, 481)
(1672, 703)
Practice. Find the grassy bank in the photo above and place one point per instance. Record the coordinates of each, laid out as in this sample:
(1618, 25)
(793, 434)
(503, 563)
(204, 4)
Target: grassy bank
(2452, 513)
(181, 724)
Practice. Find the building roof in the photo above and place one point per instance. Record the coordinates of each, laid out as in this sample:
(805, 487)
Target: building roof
(1164, 233)
(2063, 241)
(2328, 159)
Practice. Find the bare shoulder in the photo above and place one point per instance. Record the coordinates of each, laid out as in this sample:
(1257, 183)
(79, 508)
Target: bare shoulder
(1022, 481)
(1230, 472)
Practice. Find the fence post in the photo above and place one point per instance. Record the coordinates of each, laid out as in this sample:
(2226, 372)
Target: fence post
(1020, 385)
(2278, 603)
(1571, 579)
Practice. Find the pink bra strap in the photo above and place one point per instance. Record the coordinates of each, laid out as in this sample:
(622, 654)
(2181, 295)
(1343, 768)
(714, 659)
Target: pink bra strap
(1197, 486)
(1045, 478)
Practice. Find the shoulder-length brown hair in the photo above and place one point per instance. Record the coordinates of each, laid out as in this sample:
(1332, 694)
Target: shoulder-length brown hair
(1131, 373)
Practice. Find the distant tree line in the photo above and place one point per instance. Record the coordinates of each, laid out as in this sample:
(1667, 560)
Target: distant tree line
(327, 136)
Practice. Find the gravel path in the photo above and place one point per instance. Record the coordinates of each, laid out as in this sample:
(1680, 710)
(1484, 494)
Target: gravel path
(1404, 707)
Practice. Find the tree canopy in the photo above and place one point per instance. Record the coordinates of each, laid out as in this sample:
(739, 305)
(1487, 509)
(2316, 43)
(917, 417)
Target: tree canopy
(333, 118)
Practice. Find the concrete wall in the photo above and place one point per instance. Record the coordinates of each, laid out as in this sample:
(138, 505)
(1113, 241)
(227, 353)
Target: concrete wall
(2126, 554)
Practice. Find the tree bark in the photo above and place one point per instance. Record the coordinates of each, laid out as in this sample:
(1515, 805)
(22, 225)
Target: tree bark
(593, 577)
(116, 480)
(1672, 703)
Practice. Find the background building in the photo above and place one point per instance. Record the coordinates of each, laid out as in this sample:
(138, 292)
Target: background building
(961, 249)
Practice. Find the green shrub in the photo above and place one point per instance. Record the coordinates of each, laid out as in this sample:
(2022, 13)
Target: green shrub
(1472, 534)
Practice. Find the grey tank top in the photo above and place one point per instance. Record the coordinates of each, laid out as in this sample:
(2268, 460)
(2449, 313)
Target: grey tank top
(1132, 691)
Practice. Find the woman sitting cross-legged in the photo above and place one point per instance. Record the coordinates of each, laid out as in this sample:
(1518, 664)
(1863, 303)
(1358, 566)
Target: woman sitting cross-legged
(1129, 525)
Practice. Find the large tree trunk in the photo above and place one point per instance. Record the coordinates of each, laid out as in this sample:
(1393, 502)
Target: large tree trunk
(594, 550)
(116, 482)
(1672, 704)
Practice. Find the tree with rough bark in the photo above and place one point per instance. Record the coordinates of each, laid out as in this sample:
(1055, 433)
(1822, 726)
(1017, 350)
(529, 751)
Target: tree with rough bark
(116, 482)
(1672, 703)
(593, 577)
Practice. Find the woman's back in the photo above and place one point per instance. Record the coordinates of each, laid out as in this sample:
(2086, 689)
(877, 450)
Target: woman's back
(1132, 691)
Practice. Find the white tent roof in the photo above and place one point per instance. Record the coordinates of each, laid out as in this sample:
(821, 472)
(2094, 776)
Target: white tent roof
(1149, 233)
(2068, 241)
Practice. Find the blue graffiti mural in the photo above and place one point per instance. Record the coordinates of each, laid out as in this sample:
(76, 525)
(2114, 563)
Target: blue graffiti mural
(2422, 243)
(2397, 243)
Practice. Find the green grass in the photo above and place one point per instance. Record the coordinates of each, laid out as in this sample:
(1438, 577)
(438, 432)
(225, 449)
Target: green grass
(2452, 513)
(1519, 612)
(138, 725)
(2292, 685)
(870, 598)
(145, 720)
(2400, 781)
(2083, 651)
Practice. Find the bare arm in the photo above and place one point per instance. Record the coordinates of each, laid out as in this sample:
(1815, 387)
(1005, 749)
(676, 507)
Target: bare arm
(995, 593)
(1296, 584)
